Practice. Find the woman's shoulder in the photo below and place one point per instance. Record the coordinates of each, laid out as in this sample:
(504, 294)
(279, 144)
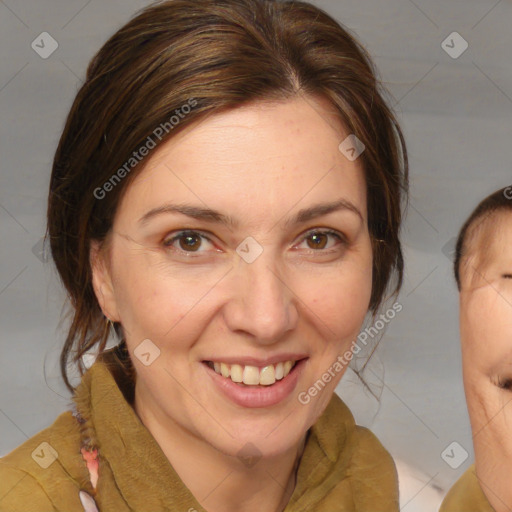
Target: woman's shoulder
(46, 472)
(370, 451)
(466, 494)
(373, 474)
(372, 466)
(367, 451)
(362, 468)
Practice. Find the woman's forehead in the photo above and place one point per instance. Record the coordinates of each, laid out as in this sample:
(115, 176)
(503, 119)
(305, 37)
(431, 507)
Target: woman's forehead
(284, 127)
(271, 155)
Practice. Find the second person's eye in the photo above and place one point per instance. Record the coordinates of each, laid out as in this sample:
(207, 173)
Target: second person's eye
(505, 383)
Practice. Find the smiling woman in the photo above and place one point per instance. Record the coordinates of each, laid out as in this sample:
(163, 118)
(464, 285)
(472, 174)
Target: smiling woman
(236, 259)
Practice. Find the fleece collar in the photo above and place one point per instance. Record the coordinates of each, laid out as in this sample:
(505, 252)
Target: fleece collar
(130, 457)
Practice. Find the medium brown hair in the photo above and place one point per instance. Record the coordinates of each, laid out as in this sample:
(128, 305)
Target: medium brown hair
(498, 201)
(221, 54)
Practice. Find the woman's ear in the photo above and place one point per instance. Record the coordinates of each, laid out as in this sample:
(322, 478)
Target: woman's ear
(102, 281)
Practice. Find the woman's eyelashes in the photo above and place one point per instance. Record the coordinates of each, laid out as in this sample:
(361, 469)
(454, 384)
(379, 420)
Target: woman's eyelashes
(189, 242)
(505, 383)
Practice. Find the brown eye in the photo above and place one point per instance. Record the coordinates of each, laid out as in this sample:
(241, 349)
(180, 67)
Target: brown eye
(189, 241)
(507, 276)
(318, 240)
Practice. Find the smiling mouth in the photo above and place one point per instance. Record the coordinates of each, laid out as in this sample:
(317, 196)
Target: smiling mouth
(247, 375)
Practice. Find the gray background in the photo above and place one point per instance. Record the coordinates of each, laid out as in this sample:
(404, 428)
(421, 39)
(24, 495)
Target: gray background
(457, 119)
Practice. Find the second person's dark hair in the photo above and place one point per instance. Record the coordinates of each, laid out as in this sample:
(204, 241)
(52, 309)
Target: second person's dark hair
(499, 200)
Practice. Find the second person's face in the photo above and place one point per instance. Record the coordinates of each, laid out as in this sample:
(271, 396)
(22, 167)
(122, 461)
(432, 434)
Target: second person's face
(486, 335)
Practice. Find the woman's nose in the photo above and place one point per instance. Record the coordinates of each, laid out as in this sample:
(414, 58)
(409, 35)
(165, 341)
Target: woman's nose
(262, 303)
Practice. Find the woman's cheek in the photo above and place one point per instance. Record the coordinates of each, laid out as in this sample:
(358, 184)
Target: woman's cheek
(340, 302)
(146, 300)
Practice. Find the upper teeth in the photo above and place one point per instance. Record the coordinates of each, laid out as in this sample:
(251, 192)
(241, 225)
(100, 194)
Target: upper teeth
(252, 375)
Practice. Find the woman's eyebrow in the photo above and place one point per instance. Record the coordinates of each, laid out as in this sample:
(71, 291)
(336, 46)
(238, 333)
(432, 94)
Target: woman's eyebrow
(209, 215)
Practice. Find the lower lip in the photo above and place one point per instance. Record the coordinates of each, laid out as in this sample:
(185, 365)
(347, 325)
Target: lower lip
(257, 396)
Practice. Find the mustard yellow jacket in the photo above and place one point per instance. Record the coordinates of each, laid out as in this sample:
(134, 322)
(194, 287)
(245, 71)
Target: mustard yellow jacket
(466, 495)
(343, 467)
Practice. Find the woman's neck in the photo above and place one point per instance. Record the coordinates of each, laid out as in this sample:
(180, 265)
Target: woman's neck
(220, 482)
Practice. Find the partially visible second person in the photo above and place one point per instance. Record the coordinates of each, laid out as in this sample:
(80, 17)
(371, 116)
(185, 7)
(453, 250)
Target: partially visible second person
(483, 271)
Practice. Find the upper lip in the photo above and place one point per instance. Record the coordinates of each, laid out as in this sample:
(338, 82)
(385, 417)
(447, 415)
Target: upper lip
(257, 361)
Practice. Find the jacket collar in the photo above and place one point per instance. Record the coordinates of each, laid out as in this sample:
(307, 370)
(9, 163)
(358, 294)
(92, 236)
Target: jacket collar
(130, 457)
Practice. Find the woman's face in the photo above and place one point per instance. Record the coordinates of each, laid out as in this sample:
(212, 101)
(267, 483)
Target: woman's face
(486, 334)
(262, 281)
